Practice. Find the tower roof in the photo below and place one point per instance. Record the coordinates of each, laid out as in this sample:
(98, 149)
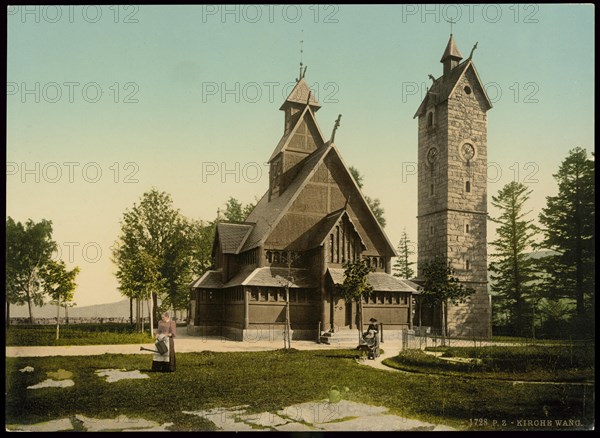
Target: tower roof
(451, 50)
(302, 95)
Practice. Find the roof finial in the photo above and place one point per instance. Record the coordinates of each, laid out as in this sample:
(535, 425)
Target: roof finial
(451, 23)
(431, 77)
(335, 127)
(302, 73)
(473, 49)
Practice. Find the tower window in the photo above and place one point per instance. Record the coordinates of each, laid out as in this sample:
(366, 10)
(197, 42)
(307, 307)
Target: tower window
(468, 266)
(430, 120)
(431, 190)
(431, 230)
(468, 186)
(466, 228)
(467, 89)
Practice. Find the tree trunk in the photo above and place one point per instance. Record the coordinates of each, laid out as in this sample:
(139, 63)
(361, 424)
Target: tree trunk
(155, 315)
(57, 317)
(67, 314)
(151, 315)
(29, 306)
(131, 311)
(7, 313)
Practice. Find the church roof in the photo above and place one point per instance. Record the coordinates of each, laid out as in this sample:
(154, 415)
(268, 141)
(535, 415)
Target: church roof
(443, 86)
(300, 94)
(267, 214)
(265, 277)
(285, 139)
(451, 50)
(327, 224)
(232, 236)
(381, 281)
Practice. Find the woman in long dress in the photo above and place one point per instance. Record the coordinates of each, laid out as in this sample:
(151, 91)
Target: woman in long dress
(165, 333)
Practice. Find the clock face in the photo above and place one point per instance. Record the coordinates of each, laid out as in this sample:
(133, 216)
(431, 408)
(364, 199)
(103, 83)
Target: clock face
(468, 151)
(432, 155)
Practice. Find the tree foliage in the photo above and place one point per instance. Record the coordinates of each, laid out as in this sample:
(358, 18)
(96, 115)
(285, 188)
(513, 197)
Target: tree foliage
(59, 284)
(153, 252)
(356, 285)
(374, 204)
(441, 287)
(29, 249)
(513, 269)
(568, 222)
(235, 211)
(402, 267)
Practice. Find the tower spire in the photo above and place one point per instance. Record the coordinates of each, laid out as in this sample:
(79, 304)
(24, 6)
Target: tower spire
(451, 56)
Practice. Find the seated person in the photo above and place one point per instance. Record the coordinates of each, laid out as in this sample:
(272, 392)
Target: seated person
(372, 330)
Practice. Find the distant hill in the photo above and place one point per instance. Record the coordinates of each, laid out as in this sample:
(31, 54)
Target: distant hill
(120, 309)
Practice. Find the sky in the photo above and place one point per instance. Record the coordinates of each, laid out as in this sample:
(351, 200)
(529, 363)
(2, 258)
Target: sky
(106, 102)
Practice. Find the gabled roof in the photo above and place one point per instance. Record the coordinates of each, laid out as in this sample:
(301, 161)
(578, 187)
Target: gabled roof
(381, 281)
(444, 86)
(300, 95)
(327, 225)
(266, 215)
(232, 236)
(285, 139)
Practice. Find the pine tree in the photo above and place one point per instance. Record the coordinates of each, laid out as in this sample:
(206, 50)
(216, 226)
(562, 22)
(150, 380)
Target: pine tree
(513, 269)
(569, 229)
(402, 267)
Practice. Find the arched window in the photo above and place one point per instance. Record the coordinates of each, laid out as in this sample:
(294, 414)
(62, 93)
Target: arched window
(466, 228)
(430, 119)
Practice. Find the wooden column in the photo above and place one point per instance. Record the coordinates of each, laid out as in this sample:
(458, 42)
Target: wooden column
(246, 308)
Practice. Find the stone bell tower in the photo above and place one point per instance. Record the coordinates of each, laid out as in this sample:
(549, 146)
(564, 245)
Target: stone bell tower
(452, 186)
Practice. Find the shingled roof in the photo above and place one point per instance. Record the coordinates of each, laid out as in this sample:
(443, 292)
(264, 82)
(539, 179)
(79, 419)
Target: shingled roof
(232, 236)
(300, 95)
(443, 86)
(264, 277)
(381, 281)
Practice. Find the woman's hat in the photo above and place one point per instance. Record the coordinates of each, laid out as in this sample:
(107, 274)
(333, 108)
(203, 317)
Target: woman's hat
(373, 320)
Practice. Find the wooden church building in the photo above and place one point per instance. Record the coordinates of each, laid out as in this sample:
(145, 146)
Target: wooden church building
(311, 220)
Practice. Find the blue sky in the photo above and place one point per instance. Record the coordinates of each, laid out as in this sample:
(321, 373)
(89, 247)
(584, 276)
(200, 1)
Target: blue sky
(107, 102)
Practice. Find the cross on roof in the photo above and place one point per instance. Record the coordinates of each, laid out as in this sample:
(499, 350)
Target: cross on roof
(451, 23)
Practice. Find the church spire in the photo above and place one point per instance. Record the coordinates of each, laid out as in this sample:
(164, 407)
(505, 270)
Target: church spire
(451, 56)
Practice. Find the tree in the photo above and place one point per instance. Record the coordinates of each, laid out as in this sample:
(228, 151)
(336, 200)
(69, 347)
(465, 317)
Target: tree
(569, 229)
(153, 252)
(402, 267)
(356, 286)
(441, 286)
(29, 249)
(513, 269)
(59, 284)
(236, 212)
(374, 204)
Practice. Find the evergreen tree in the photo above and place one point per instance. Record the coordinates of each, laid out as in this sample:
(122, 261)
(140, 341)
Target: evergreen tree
(442, 287)
(569, 229)
(513, 269)
(403, 264)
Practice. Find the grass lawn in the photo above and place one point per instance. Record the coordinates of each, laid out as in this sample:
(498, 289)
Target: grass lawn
(273, 380)
(531, 363)
(75, 334)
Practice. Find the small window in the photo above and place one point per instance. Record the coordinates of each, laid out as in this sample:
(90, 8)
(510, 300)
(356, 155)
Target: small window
(468, 186)
(467, 89)
(468, 265)
(431, 230)
(467, 228)
(431, 190)
(430, 120)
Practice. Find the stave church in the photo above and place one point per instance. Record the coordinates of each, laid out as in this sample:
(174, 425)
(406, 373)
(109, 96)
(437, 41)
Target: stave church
(313, 218)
